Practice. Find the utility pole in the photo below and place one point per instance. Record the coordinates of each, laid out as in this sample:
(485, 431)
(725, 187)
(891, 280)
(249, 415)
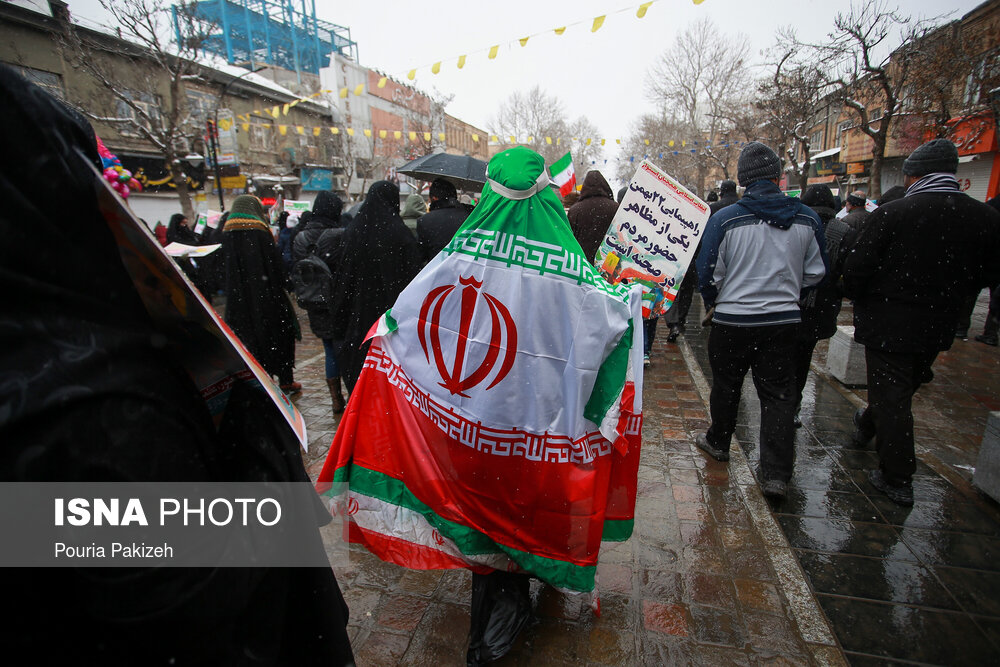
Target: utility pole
(213, 134)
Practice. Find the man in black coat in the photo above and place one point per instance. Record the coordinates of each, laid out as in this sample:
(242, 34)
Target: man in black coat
(914, 260)
(436, 228)
(591, 215)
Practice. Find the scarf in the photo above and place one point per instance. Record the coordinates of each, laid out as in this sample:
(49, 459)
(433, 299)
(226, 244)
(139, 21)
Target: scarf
(937, 182)
(247, 213)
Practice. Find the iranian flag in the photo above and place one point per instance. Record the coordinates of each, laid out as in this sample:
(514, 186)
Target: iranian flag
(496, 423)
(563, 174)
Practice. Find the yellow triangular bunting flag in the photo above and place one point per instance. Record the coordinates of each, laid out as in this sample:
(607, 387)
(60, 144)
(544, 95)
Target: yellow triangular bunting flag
(396, 134)
(334, 130)
(441, 136)
(358, 89)
(411, 75)
(283, 129)
(524, 41)
(548, 140)
(350, 131)
(246, 127)
(493, 51)
(642, 9)
(316, 131)
(427, 136)
(381, 134)
(436, 67)
(343, 92)
(475, 138)
(381, 82)
(284, 110)
(367, 132)
(300, 129)
(461, 62)
(560, 31)
(413, 136)
(598, 22)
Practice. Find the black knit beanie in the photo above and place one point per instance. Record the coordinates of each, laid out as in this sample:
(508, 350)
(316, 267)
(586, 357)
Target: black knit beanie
(727, 187)
(934, 156)
(757, 163)
(855, 200)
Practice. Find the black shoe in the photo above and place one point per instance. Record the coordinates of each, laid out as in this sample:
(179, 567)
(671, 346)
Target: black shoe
(674, 333)
(774, 488)
(964, 335)
(899, 494)
(989, 340)
(861, 437)
(703, 444)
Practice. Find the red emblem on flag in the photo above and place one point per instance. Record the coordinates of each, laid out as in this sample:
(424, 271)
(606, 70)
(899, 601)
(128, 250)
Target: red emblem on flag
(501, 325)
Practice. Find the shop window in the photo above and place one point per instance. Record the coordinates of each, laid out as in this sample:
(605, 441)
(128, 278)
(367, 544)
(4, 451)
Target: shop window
(150, 116)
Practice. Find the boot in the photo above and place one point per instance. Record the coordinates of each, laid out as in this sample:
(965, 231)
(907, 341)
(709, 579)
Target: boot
(338, 400)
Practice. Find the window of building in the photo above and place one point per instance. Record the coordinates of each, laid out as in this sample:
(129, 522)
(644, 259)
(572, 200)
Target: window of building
(200, 105)
(259, 136)
(150, 106)
(874, 114)
(842, 129)
(48, 81)
(816, 140)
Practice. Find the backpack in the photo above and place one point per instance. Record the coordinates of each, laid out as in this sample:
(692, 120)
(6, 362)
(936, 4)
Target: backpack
(313, 282)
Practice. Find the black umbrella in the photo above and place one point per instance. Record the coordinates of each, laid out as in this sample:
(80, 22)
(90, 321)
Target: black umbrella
(464, 172)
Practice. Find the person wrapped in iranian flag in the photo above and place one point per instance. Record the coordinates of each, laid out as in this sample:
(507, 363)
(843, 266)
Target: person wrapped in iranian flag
(496, 423)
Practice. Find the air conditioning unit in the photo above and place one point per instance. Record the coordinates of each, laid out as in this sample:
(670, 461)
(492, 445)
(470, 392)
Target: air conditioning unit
(337, 162)
(338, 182)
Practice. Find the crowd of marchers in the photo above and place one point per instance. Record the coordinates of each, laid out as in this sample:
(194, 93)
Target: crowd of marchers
(773, 271)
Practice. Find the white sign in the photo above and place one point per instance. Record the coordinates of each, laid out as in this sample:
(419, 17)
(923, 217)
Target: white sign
(653, 237)
(297, 206)
(207, 219)
(176, 249)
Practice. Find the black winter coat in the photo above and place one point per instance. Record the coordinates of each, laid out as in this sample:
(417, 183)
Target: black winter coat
(327, 237)
(591, 216)
(821, 306)
(913, 262)
(436, 228)
(92, 394)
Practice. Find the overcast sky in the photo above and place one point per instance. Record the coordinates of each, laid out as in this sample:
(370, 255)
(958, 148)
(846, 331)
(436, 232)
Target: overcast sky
(600, 75)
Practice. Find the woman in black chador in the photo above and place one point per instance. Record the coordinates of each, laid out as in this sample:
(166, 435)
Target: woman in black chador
(257, 307)
(380, 258)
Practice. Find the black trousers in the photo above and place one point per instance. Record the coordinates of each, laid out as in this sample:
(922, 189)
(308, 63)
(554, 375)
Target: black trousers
(803, 357)
(768, 352)
(677, 315)
(893, 378)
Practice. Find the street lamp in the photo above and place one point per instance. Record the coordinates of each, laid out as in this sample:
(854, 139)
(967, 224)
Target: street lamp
(212, 127)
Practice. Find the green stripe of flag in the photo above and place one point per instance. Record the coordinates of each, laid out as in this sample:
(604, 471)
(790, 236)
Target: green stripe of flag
(561, 165)
(470, 542)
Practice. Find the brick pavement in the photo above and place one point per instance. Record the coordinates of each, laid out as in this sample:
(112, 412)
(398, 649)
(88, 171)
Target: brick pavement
(707, 577)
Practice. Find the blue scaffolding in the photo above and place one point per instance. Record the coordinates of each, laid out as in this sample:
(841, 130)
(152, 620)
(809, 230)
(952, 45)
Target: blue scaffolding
(283, 33)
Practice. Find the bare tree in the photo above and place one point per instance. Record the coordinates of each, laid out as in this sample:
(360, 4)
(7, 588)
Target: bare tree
(788, 99)
(872, 76)
(954, 74)
(531, 116)
(585, 156)
(148, 102)
(701, 83)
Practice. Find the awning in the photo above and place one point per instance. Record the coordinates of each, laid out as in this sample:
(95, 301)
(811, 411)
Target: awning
(832, 151)
(268, 180)
(822, 179)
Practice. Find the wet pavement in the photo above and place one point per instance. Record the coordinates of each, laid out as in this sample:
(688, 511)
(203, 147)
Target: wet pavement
(714, 574)
(914, 585)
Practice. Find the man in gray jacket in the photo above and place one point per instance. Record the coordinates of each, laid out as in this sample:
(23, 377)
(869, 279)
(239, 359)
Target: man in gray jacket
(756, 257)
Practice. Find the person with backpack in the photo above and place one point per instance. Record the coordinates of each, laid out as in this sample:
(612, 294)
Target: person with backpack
(315, 255)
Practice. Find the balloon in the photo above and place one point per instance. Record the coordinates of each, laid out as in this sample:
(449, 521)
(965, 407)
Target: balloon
(124, 191)
(110, 174)
(134, 185)
(124, 177)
